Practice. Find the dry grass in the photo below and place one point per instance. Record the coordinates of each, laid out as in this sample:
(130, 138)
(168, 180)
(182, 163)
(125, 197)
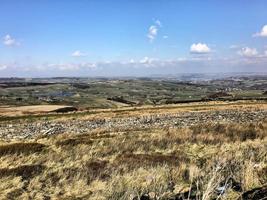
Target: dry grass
(21, 148)
(24, 171)
(94, 114)
(161, 163)
(74, 141)
(30, 110)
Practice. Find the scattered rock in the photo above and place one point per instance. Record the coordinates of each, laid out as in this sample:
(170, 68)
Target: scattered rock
(77, 126)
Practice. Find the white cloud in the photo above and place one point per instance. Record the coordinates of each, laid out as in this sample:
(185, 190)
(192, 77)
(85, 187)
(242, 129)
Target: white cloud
(152, 33)
(165, 36)
(3, 67)
(153, 30)
(200, 48)
(9, 41)
(144, 67)
(71, 66)
(78, 54)
(263, 32)
(248, 52)
(145, 60)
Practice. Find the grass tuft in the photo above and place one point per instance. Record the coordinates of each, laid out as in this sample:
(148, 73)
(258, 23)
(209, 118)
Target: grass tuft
(21, 148)
(25, 171)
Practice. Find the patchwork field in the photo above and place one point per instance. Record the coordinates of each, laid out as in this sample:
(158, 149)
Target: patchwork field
(215, 150)
(86, 93)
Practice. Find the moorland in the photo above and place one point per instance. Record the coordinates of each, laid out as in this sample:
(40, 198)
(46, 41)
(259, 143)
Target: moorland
(138, 138)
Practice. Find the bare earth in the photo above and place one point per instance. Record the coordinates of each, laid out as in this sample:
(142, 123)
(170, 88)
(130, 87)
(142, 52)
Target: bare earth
(25, 110)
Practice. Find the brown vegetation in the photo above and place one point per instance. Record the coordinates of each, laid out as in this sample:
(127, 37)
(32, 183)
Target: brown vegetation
(203, 161)
(21, 148)
(25, 171)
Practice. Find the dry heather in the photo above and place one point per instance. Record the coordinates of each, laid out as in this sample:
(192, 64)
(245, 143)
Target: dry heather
(201, 162)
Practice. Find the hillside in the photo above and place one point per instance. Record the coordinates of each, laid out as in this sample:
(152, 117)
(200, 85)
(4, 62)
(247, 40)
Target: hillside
(195, 151)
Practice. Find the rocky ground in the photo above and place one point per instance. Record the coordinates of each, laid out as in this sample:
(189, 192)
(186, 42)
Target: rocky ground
(197, 152)
(26, 130)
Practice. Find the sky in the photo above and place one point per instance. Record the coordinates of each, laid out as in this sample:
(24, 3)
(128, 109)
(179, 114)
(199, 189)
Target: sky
(47, 38)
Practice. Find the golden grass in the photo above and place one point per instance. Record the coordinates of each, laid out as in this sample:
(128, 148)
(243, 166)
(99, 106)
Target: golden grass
(162, 163)
(94, 114)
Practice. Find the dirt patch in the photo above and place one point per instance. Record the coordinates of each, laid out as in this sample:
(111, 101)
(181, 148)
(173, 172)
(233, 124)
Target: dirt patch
(30, 110)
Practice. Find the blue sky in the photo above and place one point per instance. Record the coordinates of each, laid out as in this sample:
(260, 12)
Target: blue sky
(131, 37)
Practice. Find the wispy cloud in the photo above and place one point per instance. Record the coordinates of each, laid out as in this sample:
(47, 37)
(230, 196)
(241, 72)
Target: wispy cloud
(157, 22)
(152, 33)
(78, 54)
(71, 66)
(199, 48)
(262, 33)
(153, 30)
(9, 41)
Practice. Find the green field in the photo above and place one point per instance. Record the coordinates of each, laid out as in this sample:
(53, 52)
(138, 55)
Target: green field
(87, 93)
